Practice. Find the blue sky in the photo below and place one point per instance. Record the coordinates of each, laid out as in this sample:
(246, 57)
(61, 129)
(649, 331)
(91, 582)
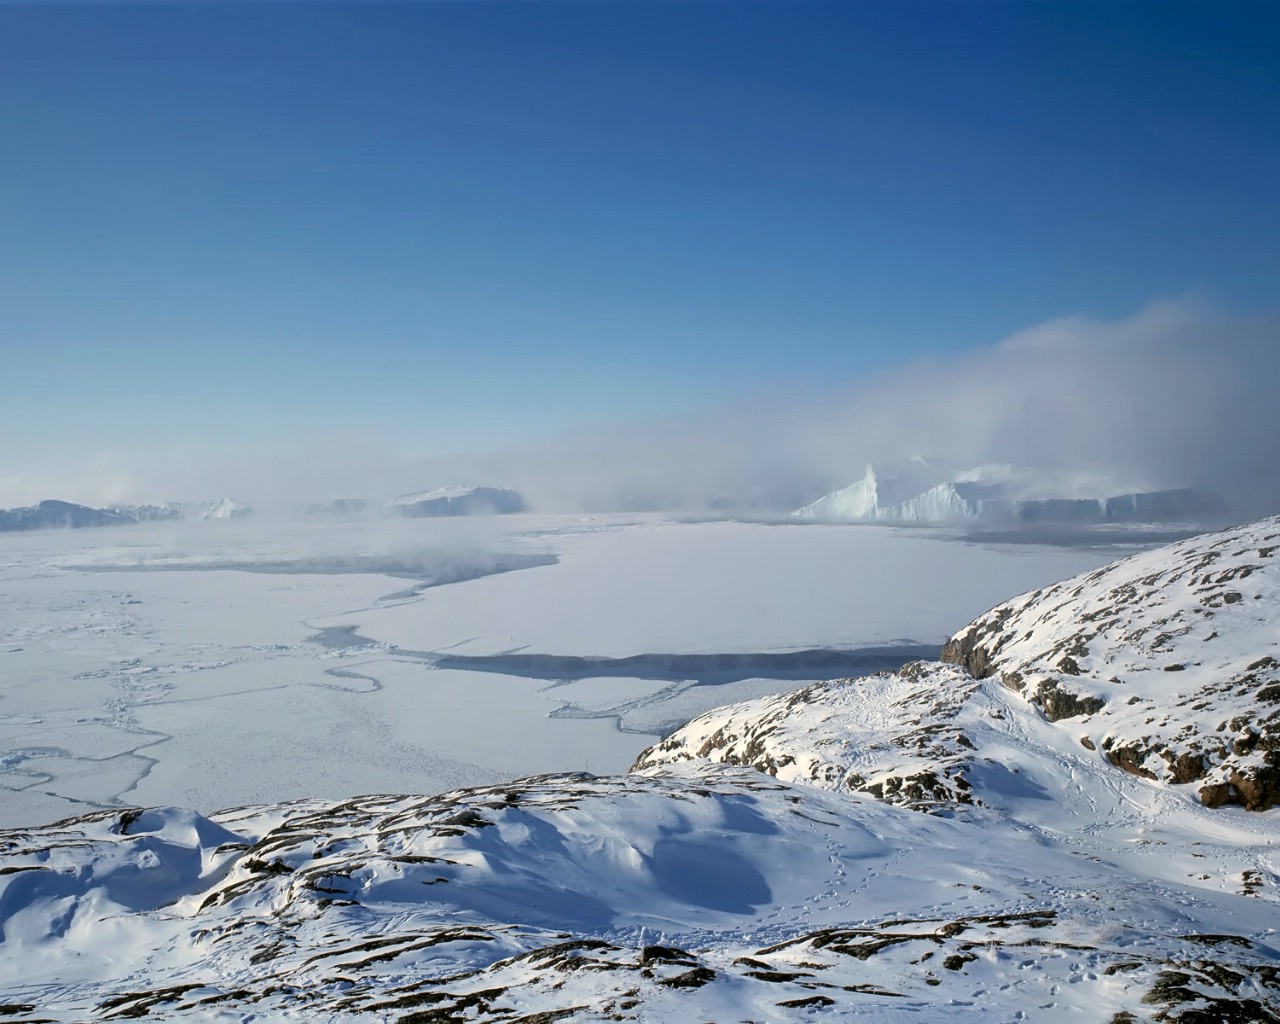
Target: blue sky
(445, 227)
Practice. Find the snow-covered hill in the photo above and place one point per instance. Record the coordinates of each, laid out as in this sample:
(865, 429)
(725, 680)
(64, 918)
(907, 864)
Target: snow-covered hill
(795, 880)
(1165, 664)
(704, 892)
(1168, 662)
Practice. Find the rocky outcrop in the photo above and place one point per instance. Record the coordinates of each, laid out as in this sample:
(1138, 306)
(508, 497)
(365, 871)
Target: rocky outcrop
(1169, 659)
(706, 893)
(1157, 664)
(897, 736)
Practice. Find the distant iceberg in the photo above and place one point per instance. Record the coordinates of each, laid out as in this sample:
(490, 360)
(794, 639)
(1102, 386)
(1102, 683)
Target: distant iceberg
(915, 492)
(457, 501)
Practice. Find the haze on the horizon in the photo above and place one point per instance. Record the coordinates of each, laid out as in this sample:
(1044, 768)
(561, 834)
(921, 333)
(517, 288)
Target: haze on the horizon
(684, 253)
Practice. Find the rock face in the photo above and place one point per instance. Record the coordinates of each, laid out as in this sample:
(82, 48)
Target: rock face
(1168, 662)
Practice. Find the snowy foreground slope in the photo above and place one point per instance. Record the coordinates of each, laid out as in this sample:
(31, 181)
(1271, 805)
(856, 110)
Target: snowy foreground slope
(1046, 884)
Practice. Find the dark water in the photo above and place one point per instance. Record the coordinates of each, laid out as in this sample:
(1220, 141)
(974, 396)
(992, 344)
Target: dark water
(704, 669)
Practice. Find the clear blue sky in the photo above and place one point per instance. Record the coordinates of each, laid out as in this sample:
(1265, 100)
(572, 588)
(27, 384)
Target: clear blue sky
(458, 225)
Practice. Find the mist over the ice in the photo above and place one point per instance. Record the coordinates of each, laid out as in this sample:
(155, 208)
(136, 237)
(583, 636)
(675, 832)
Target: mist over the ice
(1173, 396)
(1176, 395)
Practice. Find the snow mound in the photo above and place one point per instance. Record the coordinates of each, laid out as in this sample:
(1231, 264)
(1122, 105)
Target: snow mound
(62, 879)
(701, 892)
(901, 737)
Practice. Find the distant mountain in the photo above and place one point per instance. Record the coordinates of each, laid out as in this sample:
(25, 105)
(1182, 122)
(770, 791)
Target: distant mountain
(457, 501)
(995, 495)
(58, 515)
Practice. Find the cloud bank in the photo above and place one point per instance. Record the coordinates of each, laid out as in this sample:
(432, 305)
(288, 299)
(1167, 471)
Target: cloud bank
(1175, 395)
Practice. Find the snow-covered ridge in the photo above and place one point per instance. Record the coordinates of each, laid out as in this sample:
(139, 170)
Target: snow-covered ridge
(1168, 662)
(1165, 665)
(702, 892)
(902, 737)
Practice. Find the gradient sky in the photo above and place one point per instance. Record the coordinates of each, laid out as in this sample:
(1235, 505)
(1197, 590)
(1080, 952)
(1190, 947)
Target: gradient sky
(439, 227)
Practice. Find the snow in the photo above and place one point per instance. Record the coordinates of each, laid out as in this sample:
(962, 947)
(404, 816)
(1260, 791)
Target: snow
(1049, 885)
(708, 887)
(1177, 647)
(151, 667)
(876, 493)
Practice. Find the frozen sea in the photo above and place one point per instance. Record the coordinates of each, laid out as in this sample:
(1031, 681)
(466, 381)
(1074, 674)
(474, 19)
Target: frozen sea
(212, 665)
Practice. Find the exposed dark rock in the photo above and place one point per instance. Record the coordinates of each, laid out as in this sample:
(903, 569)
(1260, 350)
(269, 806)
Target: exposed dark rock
(1129, 759)
(1173, 625)
(1057, 703)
